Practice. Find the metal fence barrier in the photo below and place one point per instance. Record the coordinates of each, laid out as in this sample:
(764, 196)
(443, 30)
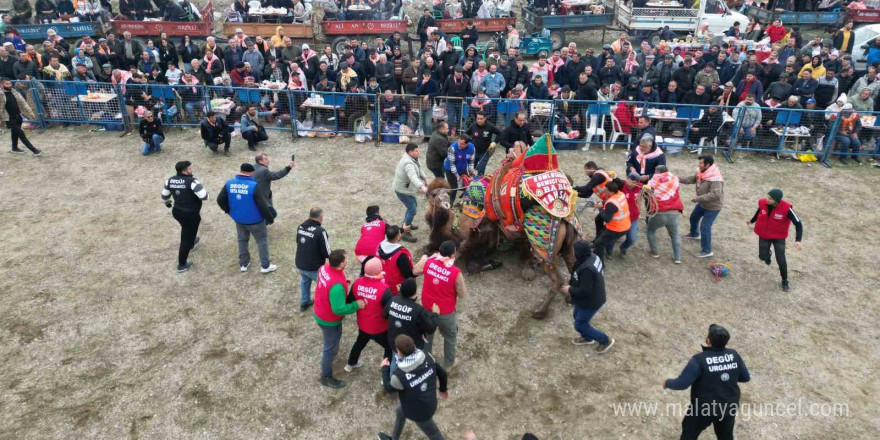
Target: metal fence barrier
(782, 129)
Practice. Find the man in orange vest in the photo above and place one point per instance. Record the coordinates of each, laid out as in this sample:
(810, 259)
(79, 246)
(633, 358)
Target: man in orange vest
(615, 215)
(443, 286)
(330, 307)
(772, 222)
(665, 186)
(598, 179)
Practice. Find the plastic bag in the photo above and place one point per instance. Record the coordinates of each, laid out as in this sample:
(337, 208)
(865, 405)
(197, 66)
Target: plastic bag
(363, 133)
(303, 128)
(438, 112)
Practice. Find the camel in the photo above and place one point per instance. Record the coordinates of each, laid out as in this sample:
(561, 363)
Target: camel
(478, 235)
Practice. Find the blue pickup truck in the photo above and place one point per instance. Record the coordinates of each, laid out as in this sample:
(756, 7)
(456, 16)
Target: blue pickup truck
(558, 24)
(37, 32)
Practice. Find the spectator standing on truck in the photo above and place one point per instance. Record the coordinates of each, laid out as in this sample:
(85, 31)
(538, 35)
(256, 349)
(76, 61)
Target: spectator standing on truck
(425, 21)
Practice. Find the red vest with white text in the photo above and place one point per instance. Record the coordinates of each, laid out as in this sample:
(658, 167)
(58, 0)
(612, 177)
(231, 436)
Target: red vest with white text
(327, 278)
(372, 233)
(369, 318)
(774, 226)
(439, 286)
(393, 277)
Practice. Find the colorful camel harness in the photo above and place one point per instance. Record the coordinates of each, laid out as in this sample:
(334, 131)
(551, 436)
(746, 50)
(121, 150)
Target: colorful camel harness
(533, 177)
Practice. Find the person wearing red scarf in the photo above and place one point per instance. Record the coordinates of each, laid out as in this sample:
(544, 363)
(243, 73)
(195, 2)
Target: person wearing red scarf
(709, 199)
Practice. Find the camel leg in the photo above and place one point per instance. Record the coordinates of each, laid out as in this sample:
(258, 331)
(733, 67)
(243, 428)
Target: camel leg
(552, 270)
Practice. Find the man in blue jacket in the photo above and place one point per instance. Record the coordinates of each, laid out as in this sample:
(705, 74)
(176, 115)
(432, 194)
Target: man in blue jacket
(713, 376)
(459, 163)
(243, 200)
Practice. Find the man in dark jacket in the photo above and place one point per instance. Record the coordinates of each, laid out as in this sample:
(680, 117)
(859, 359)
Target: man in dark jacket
(780, 90)
(537, 89)
(713, 376)
(215, 131)
(251, 214)
(586, 292)
(312, 250)
(660, 75)
(406, 316)
(685, 76)
(482, 132)
(697, 96)
(438, 147)
(610, 73)
(456, 89)
(517, 130)
(152, 134)
(571, 70)
(425, 21)
(470, 34)
(232, 55)
(416, 383)
(188, 194)
(264, 177)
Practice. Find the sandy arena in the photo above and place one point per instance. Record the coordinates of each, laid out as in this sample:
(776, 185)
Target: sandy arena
(102, 339)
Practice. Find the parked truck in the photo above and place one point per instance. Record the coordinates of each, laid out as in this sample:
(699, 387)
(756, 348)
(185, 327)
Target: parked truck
(559, 24)
(649, 21)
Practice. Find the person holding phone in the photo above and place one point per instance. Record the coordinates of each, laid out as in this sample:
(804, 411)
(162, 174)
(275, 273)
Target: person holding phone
(264, 177)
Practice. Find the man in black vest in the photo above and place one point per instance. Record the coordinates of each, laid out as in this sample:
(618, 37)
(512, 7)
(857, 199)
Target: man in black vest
(188, 194)
(415, 382)
(714, 377)
(312, 250)
(406, 316)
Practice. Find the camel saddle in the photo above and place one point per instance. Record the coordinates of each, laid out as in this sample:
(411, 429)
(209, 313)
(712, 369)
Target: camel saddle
(532, 177)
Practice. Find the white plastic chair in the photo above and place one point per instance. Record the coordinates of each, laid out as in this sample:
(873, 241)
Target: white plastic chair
(593, 130)
(702, 144)
(616, 132)
(255, 4)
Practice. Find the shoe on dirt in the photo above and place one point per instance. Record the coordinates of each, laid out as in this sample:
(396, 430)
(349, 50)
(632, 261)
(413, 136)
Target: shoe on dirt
(655, 255)
(185, 267)
(413, 228)
(705, 254)
(37, 153)
(602, 348)
(407, 237)
(676, 261)
(785, 286)
(244, 268)
(332, 382)
(16, 151)
(350, 368)
(271, 268)
(383, 436)
(581, 341)
(622, 253)
(304, 307)
(691, 237)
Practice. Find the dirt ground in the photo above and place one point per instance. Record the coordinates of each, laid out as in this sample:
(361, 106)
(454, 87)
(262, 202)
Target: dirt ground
(102, 339)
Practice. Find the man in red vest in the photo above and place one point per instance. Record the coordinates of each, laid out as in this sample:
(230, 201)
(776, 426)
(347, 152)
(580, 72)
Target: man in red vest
(772, 222)
(371, 289)
(443, 286)
(330, 307)
(372, 233)
(396, 259)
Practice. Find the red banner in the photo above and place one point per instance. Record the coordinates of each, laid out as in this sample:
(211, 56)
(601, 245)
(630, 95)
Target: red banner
(551, 190)
(361, 27)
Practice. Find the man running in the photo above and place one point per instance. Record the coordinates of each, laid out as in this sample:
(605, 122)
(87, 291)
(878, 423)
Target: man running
(713, 376)
(772, 221)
